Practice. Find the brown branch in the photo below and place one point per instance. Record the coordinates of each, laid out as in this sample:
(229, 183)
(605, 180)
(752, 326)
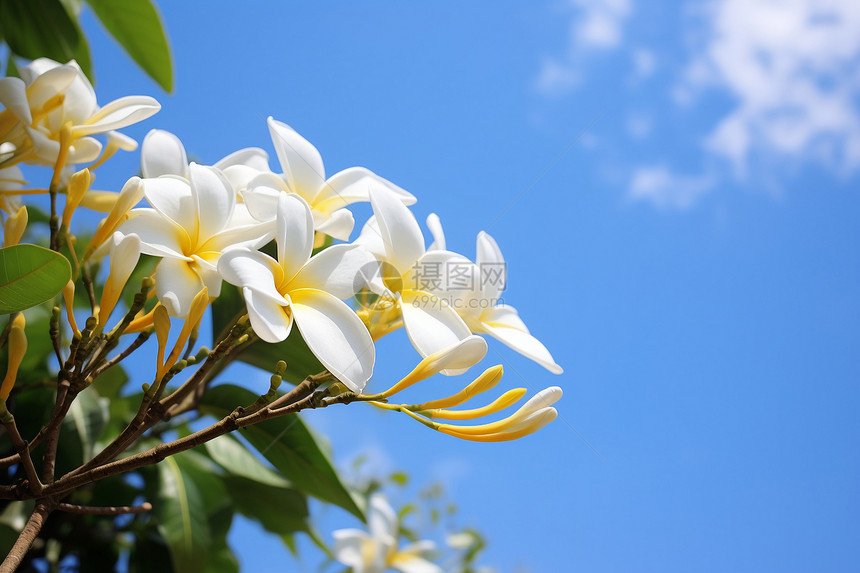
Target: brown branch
(151, 412)
(95, 510)
(235, 420)
(26, 538)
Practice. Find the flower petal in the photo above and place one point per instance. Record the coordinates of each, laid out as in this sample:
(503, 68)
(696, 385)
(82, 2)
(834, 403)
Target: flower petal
(340, 270)
(370, 238)
(523, 342)
(335, 335)
(83, 150)
(401, 235)
(435, 226)
(159, 236)
(252, 157)
(247, 268)
(261, 195)
(13, 96)
(491, 264)
(215, 199)
(381, 520)
(354, 548)
(46, 78)
(162, 153)
(269, 319)
(301, 162)
(295, 233)
(414, 564)
(117, 114)
(172, 197)
(351, 186)
(176, 285)
(431, 324)
(252, 236)
(339, 225)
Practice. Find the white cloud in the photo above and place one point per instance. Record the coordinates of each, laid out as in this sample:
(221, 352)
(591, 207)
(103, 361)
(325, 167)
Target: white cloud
(639, 125)
(667, 190)
(645, 62)
(597, 25)
(793, 67)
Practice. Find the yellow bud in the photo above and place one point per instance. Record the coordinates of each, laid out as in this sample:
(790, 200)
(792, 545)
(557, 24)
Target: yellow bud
(459, 355)
(507, 399)
(79, 184)
(161, 320)
(14, 228)
(529, 425)
(69, 298)
(488, 379)
(17, 342)
(195, 315)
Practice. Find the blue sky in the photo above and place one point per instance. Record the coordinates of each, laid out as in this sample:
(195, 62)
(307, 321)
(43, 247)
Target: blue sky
(692, 259)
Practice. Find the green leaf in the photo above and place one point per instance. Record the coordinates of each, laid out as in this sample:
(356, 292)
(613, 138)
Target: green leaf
(137, 26)
(294, 351)
(280, 510)
(39, 28)
(30, 275)
(233, 456)
(288, 444)
(182, 518)
(83, 424)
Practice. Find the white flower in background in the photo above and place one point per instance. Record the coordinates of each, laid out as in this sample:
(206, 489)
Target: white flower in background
(308, 291)
(378, 552)
(304, 175)
(479, 301)
(190, 225)
(50, 96)
(394, 237)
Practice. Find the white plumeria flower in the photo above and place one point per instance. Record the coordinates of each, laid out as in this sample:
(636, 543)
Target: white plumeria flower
(394, 237)
(378, 552)
(481, 307)
(304, 175)
(51, 95)
(162, 153)
(308, 291)
(190, 225)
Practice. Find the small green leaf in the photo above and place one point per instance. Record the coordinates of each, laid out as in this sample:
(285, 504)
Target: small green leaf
(182, 518)
(288, 444)
(234, 457)
(30, 275)
(137, 26)
(39, 28)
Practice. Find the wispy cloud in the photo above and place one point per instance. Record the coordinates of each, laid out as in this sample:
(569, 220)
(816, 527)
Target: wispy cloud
(793, 67)
(596, 25)
(789, 70)
(666, 189)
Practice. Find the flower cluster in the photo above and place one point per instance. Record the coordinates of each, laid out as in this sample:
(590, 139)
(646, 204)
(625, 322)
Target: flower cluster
(272, 235)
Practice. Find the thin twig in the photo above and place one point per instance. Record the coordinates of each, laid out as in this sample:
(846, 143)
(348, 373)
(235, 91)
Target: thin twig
(95, 510)
(65, 397)
(16, 458)
(23, 449)
(138, 342)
